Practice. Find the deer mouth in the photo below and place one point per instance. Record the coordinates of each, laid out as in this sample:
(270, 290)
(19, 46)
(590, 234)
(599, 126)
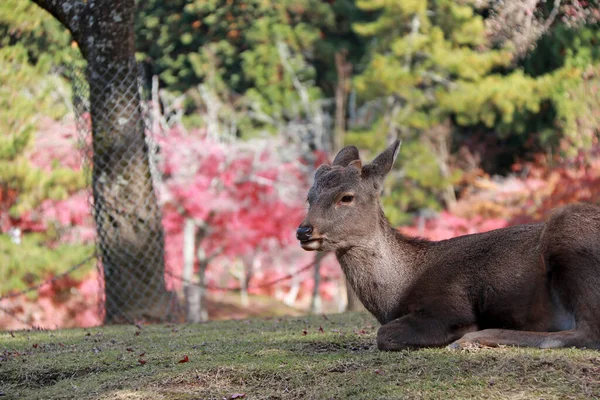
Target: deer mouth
(311, 244)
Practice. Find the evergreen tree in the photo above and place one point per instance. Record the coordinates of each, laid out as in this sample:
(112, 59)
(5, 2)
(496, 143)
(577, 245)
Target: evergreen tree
(439, 82)
(31, 44)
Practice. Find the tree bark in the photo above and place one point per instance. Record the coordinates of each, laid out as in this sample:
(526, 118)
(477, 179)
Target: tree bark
(344, 70)
(439, 140)
(191, 291)
(354, 303)
(128, 219)
(316, 303)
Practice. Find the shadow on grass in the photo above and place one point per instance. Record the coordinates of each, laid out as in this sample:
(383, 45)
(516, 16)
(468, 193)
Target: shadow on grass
(307, 357)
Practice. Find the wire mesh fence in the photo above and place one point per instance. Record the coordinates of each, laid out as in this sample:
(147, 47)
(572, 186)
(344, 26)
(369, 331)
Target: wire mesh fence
(117, 131)
(114, 119)
(130, 238)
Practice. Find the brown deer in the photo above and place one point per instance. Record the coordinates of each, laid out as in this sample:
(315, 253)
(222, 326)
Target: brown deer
(532, 285)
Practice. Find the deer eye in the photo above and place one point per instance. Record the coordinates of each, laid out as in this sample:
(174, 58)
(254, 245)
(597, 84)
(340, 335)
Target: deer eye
(348, 198)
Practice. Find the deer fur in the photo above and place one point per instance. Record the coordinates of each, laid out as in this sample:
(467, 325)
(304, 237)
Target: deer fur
(534, 285)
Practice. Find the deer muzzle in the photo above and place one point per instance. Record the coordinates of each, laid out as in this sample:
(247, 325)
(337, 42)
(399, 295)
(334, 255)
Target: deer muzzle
(307, 237)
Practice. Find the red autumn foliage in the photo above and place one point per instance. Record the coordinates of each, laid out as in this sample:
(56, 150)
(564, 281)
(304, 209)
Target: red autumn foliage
(492, 203)
(252, 195)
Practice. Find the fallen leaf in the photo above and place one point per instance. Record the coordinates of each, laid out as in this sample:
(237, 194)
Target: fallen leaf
(142, 355)
(129, 349)
(183, 360)
(35, 346)
(142, 361)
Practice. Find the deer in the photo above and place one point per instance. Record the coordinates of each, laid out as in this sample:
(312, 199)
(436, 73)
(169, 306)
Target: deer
(533, 285)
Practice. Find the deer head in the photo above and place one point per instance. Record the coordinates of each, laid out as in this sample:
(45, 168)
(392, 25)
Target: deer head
(344, 207)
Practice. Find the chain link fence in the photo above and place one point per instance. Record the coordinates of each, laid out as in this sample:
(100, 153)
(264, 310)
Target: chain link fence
(112, 125)
(117, 122)
(116, 130)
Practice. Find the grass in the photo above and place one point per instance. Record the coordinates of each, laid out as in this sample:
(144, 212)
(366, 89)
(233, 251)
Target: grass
(281, 358)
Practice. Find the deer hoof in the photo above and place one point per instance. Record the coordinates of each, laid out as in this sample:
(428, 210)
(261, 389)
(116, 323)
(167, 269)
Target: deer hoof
(454, 346)
(468, 341)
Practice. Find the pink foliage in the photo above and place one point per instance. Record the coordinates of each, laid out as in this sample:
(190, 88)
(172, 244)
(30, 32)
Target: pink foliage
(56, 144)
(63, 304)
(72, 216)
(249, 196)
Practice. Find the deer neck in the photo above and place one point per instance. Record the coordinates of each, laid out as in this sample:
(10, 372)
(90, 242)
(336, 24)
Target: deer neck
(381, 269)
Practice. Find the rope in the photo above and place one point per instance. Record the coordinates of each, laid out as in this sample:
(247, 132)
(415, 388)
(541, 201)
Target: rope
(239, 288)
(48, 281)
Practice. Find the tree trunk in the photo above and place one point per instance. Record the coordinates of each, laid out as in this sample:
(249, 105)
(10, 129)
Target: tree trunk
(191, 291)
(354, 303)
(344, 71)
(316, 304)
(200, 292)
(439, 140)
(128, 219)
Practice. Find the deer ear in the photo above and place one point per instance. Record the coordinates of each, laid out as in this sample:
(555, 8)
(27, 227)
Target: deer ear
(382, 164)
(356, 164)
(346, 156)
(321, 170)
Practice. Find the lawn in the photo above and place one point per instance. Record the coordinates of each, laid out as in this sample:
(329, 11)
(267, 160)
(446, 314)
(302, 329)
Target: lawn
(317, 357)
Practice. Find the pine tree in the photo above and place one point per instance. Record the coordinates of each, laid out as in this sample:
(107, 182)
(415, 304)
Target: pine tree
(31, 44)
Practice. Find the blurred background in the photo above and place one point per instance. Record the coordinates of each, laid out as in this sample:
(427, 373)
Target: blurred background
(155, 155)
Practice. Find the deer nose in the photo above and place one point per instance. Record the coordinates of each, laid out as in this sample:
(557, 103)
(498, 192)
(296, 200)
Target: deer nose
(304, 232)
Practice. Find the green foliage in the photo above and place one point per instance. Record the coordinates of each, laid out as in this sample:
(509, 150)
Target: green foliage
(28, 90)
(431, 63)
(26, 24)
(427, 55)
(33, 261)
(232, 49)
(178, 38)
(569, 59)
(415, 183)
(423, 63)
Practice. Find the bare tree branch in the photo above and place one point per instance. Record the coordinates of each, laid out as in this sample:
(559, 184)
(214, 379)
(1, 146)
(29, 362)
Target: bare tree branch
(67, 12)
(520, 22)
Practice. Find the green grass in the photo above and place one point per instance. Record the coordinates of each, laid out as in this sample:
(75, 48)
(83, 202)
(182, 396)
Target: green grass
(280, 358)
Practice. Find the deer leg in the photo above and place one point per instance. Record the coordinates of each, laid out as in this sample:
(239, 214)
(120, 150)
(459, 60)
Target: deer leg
(543, 340)
(412, 331)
